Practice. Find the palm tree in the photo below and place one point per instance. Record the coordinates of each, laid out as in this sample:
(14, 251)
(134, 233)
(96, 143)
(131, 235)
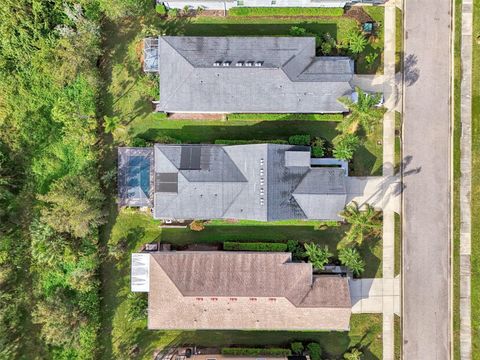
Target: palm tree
(364, 112)
(353, 354)
(350, 258)
(365, 223)
(345, 146)
(356, 41)
(111, 123)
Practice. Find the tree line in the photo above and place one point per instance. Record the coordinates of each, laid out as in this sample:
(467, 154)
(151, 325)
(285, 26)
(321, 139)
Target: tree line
(51, 199)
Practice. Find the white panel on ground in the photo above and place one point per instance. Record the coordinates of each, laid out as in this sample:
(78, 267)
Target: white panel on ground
(140, 278)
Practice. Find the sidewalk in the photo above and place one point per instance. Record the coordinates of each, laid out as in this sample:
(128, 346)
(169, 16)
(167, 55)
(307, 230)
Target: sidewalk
(465, 182)
(390, 304)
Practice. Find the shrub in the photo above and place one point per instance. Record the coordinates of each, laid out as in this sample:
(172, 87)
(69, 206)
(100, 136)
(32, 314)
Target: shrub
(353, 354)
(255, 246)
(297, 31)
(243, 142)
(345, 146)
(139, 142)
(161, 9)
(172, 12)
(317, 151)
(356, 41)
(137, 306)
(326, 48)
(350, 258)
(196, 225)
(256, 352)
(297, 250)
(286, 11)
(287, 117)
(165, 139)
(316, 255)
(315, 351)
(299, 140)
(297, 348)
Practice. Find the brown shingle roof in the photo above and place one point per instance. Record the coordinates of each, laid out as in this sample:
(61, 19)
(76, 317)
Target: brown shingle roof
(248, 274)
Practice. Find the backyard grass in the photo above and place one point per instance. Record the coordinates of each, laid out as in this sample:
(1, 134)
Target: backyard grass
(456, 182)
(120, 334)
(475, 260)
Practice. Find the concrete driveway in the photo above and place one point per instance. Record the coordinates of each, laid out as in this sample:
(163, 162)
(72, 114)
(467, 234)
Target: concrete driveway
(426, 170)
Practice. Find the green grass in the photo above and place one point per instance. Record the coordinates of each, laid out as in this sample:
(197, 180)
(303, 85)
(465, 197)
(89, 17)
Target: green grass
(398, 40)
(398, 340)
(456, 184)
(398, 141)
(375, 45)
(120, 334)
(398, 244)
(475, 261)
(286, 11)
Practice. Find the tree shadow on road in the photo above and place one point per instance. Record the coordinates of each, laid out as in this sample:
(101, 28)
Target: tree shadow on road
(411, 73)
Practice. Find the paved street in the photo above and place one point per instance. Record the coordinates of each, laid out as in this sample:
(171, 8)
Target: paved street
(426, 276)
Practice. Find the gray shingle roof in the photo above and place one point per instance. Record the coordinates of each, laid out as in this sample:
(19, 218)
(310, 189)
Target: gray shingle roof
(245, 182)
(290, 79)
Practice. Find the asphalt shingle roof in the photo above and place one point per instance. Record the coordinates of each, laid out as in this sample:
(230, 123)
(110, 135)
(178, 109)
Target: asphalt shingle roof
(290, 79)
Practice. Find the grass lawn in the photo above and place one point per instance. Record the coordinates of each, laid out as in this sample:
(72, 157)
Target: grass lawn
(398, 39)
(475, 261)
(397, 341)
(398, 244)
(398, 141)
(120, 333)
(456, 183)
(375, 45)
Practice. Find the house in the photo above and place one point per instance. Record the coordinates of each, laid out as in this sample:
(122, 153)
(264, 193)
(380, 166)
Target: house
(222, 75)
(238, 290)
(263, 182)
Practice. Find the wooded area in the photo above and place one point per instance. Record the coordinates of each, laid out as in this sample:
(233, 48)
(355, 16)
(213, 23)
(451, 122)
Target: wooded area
(50, 185)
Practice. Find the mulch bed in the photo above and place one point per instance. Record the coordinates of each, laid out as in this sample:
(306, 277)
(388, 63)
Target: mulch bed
(357, 13)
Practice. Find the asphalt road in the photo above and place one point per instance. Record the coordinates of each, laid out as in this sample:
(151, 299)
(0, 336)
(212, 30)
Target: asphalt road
(426, 197)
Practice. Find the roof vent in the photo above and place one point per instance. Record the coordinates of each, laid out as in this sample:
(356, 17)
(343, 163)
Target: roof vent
(259, 63)
(239, 63)
(217, 63)
(249, 63)
(226, 63)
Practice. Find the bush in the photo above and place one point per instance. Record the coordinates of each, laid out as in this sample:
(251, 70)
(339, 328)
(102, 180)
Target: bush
(244, 142)
(315, 351)
(317, 151)
(297, 348)
(299, 140)
(287, 117)
(164, 139)
(161, 9)
(137, 306)
(326, 48)
(286, 11)
(297, 31)
(139, 142)
(172, 12)
(297, 250)
(254, 246)
(256, 352)
(197, 225)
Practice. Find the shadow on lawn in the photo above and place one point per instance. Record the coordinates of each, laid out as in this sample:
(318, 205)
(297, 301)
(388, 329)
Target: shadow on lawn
(265, 130)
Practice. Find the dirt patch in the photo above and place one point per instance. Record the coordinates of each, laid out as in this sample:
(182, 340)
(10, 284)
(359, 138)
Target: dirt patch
(189, 116)
(357, 13)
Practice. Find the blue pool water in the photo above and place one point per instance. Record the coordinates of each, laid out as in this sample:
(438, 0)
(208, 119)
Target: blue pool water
(138, 173)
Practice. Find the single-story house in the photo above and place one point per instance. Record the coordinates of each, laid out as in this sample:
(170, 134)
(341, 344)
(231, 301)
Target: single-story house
(238, 290)
(219, 75)
(263, 182)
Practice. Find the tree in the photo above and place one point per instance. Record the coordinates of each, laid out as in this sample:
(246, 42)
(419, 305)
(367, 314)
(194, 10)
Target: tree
(297, 348)
(111, 123)
(364, 112)
(316, 255)
(350, 258)
(345, 146)
(365, 223)
(315, 351)
(356, 41)
(353, 354)
(73, 205)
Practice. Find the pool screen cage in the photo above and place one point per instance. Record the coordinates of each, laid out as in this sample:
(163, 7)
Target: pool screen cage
(150, 55)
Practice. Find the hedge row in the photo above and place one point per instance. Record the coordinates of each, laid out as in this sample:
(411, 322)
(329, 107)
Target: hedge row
(284, 11)
(244, 142)
(256, 352)
(254, 246)
(288, 117)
